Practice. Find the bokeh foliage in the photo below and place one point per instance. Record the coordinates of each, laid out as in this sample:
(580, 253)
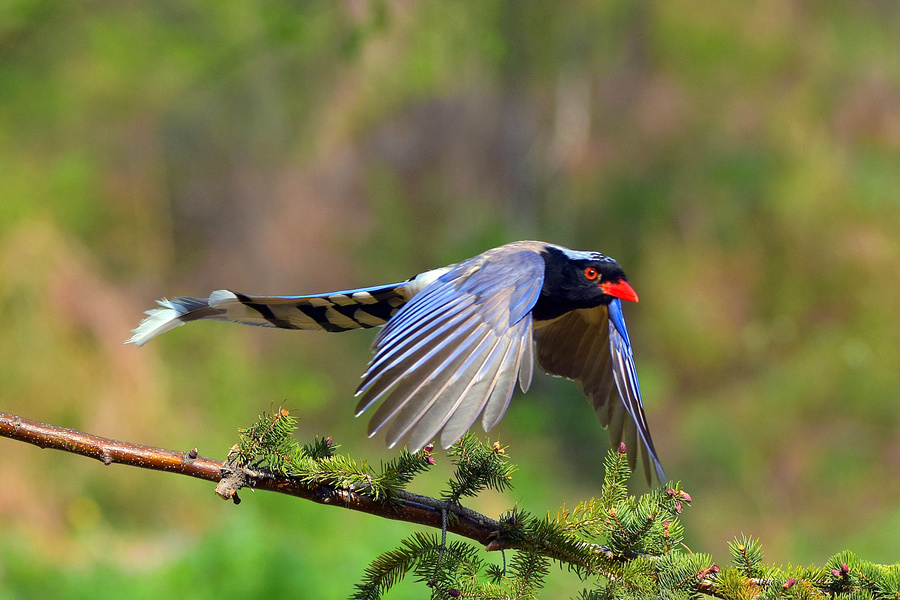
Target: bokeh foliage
(739, 159)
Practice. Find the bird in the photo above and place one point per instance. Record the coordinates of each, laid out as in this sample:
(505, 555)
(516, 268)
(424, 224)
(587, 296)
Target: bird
(454, 340)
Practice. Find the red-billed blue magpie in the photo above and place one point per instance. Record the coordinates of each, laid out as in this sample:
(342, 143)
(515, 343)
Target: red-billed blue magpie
(455, 339)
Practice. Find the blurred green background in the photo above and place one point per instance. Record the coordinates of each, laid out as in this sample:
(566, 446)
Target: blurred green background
(740, 160)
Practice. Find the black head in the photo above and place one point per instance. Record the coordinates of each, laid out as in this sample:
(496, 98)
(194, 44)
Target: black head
(574, 280)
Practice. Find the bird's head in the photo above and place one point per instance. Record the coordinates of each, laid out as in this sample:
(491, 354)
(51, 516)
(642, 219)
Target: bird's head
(575, 280)
(598, 279)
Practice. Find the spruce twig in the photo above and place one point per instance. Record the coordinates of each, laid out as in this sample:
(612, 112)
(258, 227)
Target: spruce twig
(404, 506)
(478, 467)
(630, 546)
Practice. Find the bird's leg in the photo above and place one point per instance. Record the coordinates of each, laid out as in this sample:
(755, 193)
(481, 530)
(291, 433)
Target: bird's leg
(437, 565)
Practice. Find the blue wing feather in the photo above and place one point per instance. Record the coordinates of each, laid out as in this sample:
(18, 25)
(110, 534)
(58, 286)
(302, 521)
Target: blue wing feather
(626, 379)
(421, 367)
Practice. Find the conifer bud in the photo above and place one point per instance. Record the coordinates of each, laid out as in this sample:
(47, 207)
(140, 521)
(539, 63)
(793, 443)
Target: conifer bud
(233, 452)
(429, 459)
(679, 495)
(845, 569)
(835, 572)
(789, 583)
(621, 447)
(454, 593)
(429, 448)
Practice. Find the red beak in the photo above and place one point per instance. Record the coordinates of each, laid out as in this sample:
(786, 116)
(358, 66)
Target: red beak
(621, 289)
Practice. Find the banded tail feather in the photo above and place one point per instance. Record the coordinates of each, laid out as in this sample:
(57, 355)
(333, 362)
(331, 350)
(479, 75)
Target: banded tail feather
(334, 312)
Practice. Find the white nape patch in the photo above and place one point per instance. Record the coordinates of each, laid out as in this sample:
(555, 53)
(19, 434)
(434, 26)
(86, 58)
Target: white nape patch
(423, 280)
(220, 297)
(157, 321)
(579, 255)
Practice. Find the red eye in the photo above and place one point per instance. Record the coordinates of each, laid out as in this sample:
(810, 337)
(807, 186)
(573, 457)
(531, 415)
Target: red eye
(591, 273)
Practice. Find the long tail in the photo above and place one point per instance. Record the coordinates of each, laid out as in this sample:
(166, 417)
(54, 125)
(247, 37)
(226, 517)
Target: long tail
(335, 311)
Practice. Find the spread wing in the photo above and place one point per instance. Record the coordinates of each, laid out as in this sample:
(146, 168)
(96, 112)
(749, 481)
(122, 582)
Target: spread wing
(591, 346)
(454, 351)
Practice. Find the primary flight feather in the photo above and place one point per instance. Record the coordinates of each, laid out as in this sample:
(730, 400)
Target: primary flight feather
(456, 340)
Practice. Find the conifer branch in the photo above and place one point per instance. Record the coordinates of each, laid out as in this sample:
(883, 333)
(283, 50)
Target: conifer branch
(642, 555)
(403, 506)
(109, 451)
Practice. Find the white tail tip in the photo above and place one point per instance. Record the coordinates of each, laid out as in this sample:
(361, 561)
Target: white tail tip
(157, 321)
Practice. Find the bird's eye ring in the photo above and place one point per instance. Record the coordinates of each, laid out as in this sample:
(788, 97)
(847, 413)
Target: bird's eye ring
(591, 273)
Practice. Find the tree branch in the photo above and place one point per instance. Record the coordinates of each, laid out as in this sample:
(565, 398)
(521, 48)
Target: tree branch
(400, 505)
(403, 506)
